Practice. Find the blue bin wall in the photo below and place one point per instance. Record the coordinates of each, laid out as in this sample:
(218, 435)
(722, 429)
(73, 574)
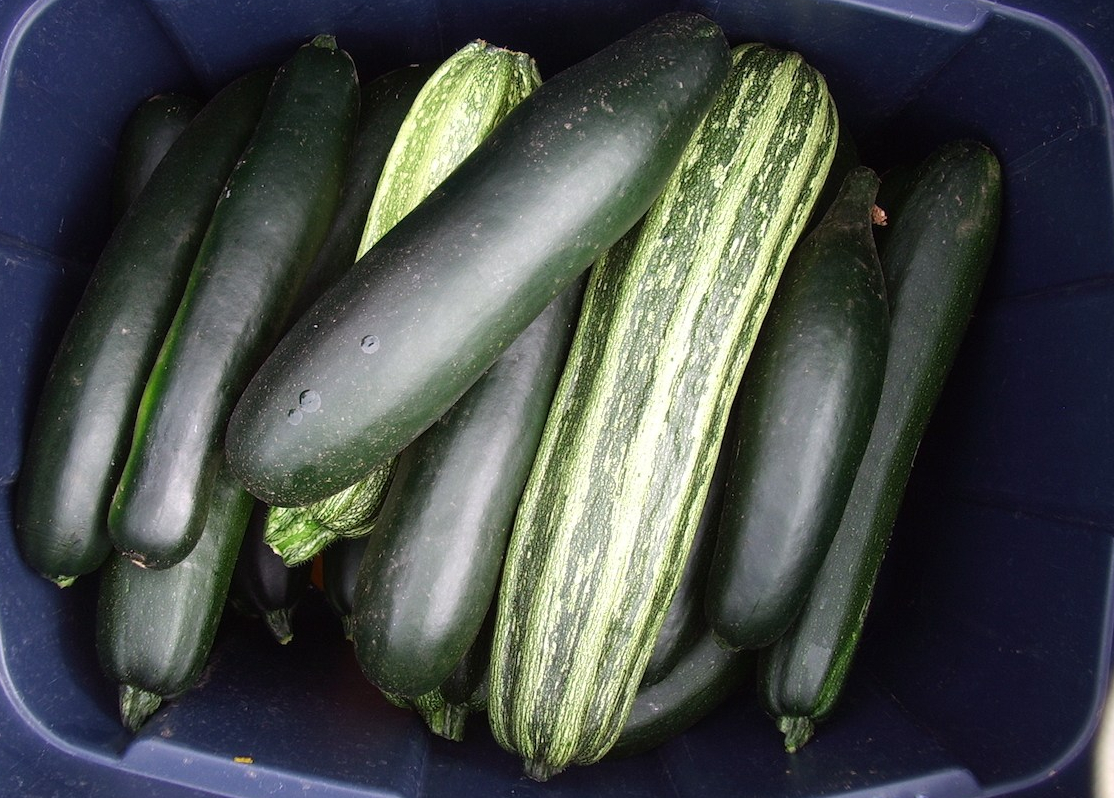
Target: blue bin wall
(988, 651)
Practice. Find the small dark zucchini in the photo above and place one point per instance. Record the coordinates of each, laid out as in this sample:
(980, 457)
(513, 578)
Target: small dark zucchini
(155, 629)
(704, 677)
(263, 586)
(803, 415)
(340, 562)
(147, 135)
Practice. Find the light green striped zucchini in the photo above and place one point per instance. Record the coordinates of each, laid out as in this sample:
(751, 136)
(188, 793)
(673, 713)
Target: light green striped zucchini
(297, 534)
(453, 112)
(669, 319)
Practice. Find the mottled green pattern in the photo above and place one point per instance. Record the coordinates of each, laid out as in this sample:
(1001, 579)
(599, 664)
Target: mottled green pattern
(669, 319)
(458, 106)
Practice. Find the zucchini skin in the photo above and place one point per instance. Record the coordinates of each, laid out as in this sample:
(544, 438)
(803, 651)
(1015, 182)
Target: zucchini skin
(155, 628)
(263, 586)
(805, 409)
(939, 249)
(431, 306)
(384, 103)
(684, 621)
(265, 231)
(704, 677)
(82, 427)
(431, 569)
(340, 563)
(669, 318)
(295, 535)
(149, 131)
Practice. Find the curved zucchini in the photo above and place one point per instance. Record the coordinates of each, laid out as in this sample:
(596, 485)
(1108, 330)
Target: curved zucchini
(433, 304)
(155, 628)
(704, 677)
(804, 413)
(669, 318)
(263, 586)
(265, 231)
(454, 111)
(151, 128)
(83, 424)
(939, 249)
(431, 570)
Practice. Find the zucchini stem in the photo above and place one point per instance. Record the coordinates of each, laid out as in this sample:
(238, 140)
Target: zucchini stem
(136, 705)
(797, 731)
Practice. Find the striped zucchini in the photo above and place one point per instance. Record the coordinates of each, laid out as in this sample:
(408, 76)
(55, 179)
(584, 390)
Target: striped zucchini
(452, 113)
(669, 318)
(297, 534)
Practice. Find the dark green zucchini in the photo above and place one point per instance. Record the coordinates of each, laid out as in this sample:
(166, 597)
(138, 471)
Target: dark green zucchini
(444, 292)
(83, 424)
(340, 562)
(940, 246)
(384, 103)
(264, 234)
(147, 135)
(155, 628)
(431, 569)
(263, 586)
(803, 415)
(705, 676)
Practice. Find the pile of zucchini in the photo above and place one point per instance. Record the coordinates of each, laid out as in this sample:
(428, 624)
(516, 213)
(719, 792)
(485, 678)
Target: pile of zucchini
(595, 398)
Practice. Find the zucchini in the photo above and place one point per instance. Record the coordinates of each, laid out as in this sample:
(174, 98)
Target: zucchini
(384, 103)
(432, 305)
(149, 131)
(352, 512)
(453, 111)
(804, 413)
(670, 315)
(298, 534)
(431, 570)
(703, 678)
(340, 562)
(263, 586)
(155, 629)
(263, 236)
(939, 249)
(83, 423)
(295, 536)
